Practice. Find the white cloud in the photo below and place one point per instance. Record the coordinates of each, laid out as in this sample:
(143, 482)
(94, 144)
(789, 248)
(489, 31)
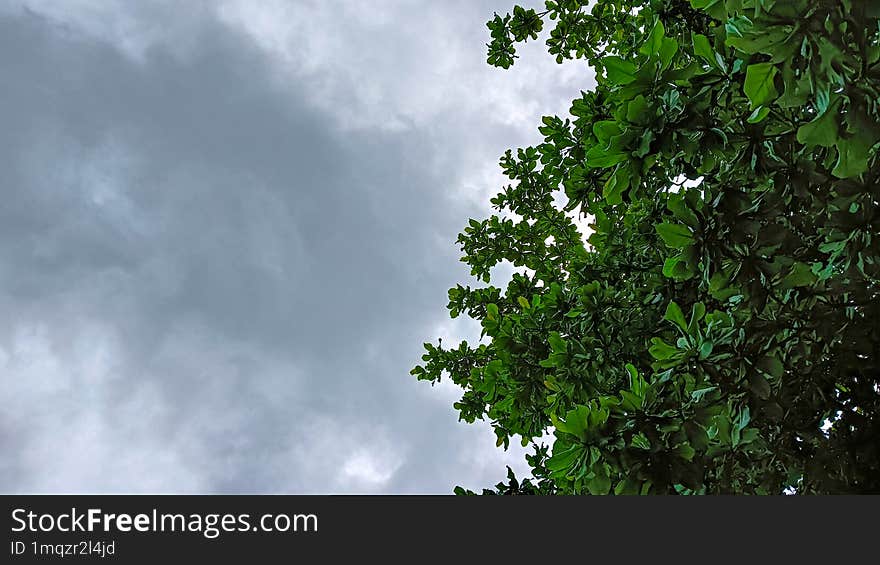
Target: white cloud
(400, 63)
(227, 228)
(78, 438)
(368, 468)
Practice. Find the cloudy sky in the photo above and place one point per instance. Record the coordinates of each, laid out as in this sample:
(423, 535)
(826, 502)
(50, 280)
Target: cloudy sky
(227, 228)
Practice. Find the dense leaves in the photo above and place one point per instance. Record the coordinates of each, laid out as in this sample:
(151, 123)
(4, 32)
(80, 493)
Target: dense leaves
(717, 332)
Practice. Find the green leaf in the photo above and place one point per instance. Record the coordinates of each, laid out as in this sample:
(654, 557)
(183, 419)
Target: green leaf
(571, 425)
(564, 456)
(736, 27)
(492, 311)
(645, 144)
(601, 158)
(698, 395)
(627, 487)
(675, 235)
(685, 451)
(714, 8)
(600, 485)
(633, 372)
(681, 210)
(748, 436)
(758, 115)
(631, 401)
(822, 131)
(799, 275)
(618, 70)
(637, 110)
(661, 350)
(705, 350)
(557, 344)
(744, 419)
(780, 41)
(677, 268)
(616, 185)
(675, 315)
(640, 441)
(651, 47)
(604, 130)
(758, 86)
(703, 49)
(760, 386)
(697, 313)
(668, 49)
(771, 365)
(852, 157)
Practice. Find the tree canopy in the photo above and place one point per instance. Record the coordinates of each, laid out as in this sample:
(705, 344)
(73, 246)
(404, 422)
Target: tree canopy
(717, 331)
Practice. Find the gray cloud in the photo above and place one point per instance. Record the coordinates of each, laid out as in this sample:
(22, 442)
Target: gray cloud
(226, 231)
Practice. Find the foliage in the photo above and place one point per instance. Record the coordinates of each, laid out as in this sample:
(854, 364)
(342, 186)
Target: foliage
(718, 333)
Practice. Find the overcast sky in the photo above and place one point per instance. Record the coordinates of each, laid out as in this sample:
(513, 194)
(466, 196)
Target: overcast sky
(226, 228)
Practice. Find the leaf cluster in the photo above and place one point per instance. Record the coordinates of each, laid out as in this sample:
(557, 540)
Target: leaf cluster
(716, 331)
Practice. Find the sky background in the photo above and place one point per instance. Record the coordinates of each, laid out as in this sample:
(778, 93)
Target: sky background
(227, 227)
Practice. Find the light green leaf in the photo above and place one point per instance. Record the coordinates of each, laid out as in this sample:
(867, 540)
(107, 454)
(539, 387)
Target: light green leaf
(604, 130)
(618, 70)
(491, 311)
(601, 158)
(564, 456)
(758, 86)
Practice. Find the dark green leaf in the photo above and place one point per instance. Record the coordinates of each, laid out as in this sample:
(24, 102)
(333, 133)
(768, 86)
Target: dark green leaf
(675, 235)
